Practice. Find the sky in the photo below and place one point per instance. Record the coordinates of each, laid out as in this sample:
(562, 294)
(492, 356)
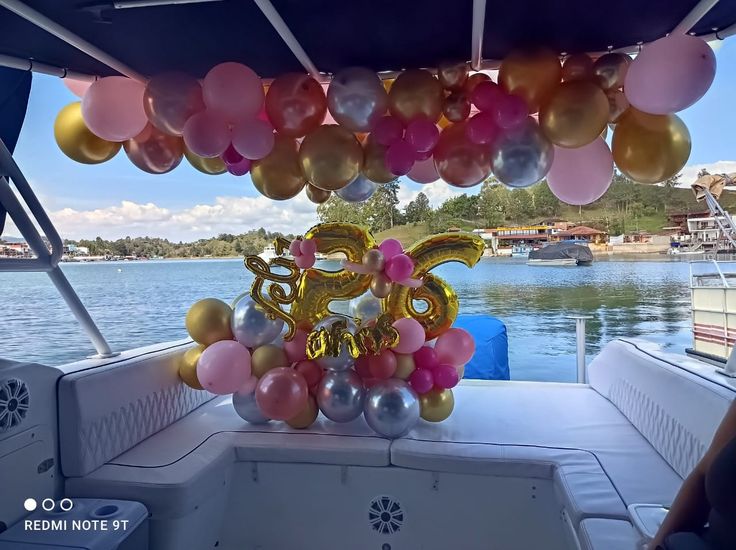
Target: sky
(115, 199)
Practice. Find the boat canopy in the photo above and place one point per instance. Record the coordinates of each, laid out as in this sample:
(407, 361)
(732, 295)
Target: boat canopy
(562, 251)
(153, 36)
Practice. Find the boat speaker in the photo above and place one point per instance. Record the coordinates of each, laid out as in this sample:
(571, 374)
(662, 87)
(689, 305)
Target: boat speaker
(14, 403)
(385, 515)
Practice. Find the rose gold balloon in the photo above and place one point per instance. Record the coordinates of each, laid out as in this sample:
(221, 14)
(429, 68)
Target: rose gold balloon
(617, 105)
(154, 151)
(416, 92)
(575, 115)
(295, 104)
(473, 80)
(610, 70)
(317, 195)
(373, 260)
(459, 161)
(456, 107)
(374, 164)
(380, 285)
(278, 176)
(532, 76)
(452, 76)
(578, 66)
(330, 157)
(170, 99)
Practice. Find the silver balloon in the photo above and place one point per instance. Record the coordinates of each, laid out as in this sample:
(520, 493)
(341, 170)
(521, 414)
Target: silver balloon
(522, 156)
(356, 99)
(391, 408)
(250, 325)
(359, 190)
(247, 408)
(340, 396)
(343, 361)
(365, 308)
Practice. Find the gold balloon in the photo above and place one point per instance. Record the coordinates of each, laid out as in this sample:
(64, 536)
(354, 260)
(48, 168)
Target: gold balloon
(404, 366)
(414, 93)
(452, 76)
(188, 367)
(211, 166)
(650, 148)
(381, 285)
(208, 321)
(436, 405)
(77, 142)
(374, 166)
(330, 157)
(578, 66)
(610, 70)
(442, 305)
(265, 358)
(278, 176)
(317, 195)
(533, 76)
(575, 114)
(306, 417)
(617, 105)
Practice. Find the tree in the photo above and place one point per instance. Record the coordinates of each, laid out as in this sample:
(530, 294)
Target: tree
(338, 210)
(418, 210)
(461, 207)
(544, 201)
(492, 203)
(381, 211)
(520, 205)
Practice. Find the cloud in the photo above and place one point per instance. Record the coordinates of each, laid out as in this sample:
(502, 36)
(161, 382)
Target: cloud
(437, 193)
(690, 172)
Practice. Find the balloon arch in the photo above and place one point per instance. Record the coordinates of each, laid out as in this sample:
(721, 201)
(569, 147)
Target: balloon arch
(542, 119)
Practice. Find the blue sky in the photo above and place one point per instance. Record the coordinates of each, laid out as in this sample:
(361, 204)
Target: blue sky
(116, 199)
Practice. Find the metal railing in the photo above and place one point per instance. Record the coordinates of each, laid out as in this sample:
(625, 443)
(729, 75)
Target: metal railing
(580, 346)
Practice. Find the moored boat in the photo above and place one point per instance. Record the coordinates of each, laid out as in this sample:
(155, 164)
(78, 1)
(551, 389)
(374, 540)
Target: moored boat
(561, 254)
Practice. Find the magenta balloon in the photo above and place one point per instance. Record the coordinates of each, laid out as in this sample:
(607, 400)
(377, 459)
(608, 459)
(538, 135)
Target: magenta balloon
(112, 108)
(170, 99)
(510, 111)
(281, 393)
(231, 156)
(234, 90)
(481, 129)
(240, 168)
(445, 376)
(254, 139)
(424, 171)
(455, 347)
(422, 134)
(421, 380)
(388, 130)
(207, 134)
(398, 268)
(426, 358)
(400, 158)
(411, 335)
(670, 74)
(77, 87)
(485, 95)
(224, 367)
(390, 248)
(581, 176)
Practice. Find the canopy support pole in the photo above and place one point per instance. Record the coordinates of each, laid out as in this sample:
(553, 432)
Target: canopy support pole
(22, 64)
(280, 26)
(479, 22)
(695, 15)
(50, 26)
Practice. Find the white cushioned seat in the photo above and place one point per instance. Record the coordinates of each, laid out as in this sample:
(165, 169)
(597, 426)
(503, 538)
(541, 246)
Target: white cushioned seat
(607, 534)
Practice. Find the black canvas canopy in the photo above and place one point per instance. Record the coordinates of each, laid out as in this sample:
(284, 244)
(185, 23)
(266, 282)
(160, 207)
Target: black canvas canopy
(562, 251)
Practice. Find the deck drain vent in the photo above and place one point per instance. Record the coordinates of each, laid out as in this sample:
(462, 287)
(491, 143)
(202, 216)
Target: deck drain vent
(14, 401)
(385, 515)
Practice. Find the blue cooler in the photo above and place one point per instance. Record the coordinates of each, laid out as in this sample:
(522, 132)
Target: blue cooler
(491, 359)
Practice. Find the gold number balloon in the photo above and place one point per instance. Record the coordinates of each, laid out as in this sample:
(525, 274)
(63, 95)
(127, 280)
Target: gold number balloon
(317, 288)
(77, 142)
(442, 303)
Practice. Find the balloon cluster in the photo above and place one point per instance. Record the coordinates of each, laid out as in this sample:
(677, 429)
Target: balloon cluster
(541, 119)
(374, 361)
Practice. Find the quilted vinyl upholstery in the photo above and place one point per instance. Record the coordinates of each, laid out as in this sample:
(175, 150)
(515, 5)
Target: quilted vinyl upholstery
(107, 410)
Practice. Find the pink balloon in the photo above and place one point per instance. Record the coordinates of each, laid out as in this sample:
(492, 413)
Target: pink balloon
(296, 348)
(445, 376)
(426, 358)
(510, 111)
(308, 246)
(112, 108)
(455, 347)
(77, 87)
(481, 129)
(422, 134)
(207, 134)
(411, 335)
(304, 262)
(421, 380)
(249, 386)
(383, 365)
(485, 95)
(311, 372)
(400, 158)
(581, 176)
(670, 74)
(399, 267)
(281, 393)
(240, 168)
(390, 248)
(388, 130)
(424, 171)
(224, 367)
(254, 139)
(171, 99)
(234, 90)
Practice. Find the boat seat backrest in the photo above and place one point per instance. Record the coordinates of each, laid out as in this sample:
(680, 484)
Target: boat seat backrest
(106, 410)
(675, 409)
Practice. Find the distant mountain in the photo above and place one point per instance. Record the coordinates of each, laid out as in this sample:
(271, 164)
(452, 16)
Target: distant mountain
(12, 240)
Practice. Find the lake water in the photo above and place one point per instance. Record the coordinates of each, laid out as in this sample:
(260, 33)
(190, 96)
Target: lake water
(140, 303)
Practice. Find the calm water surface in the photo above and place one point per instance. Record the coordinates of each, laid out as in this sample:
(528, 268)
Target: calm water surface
(139, 303)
